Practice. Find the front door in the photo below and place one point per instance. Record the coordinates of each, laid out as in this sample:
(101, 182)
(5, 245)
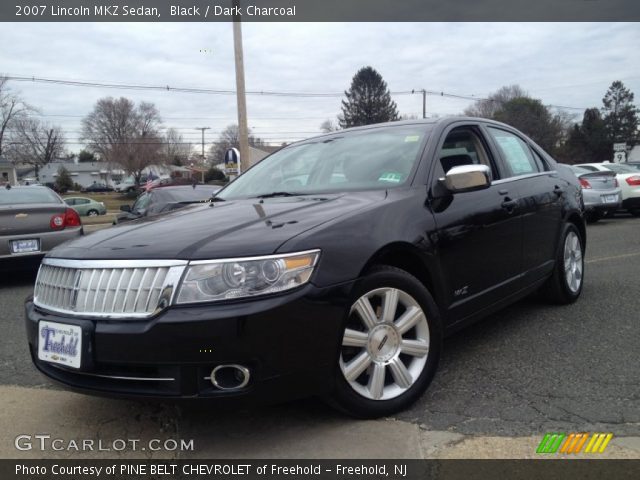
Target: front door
(479, 233)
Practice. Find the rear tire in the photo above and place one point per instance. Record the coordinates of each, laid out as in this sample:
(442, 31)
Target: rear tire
(390, 346)
(565, 284)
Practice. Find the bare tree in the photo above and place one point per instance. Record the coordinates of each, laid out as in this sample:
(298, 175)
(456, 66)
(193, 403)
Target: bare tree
(12, 109)
(177, 151)
(230, 138)
(124, 134)
(487, 108)
(329, 126)
(35, 143)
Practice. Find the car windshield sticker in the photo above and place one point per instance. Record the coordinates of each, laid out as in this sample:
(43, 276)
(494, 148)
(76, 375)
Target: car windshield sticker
(394, 177)
(412, 138)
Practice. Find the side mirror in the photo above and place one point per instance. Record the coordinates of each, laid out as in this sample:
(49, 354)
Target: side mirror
(467, 178)
(125, 208)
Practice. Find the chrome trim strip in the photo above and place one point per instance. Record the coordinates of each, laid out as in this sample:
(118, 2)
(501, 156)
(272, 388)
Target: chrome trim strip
(261, 257)
(114, 377)
(63, 262)
(550, 173)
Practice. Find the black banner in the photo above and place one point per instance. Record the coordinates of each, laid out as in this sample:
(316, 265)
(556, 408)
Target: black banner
(319, 469)
(318, 11)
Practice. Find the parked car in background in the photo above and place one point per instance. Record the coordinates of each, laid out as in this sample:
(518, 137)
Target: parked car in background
(341, 288)
(601, 192)
(629, 180)
(634, 165)
(86, 206)
(161, 200)
(33, 220)
(97, 187)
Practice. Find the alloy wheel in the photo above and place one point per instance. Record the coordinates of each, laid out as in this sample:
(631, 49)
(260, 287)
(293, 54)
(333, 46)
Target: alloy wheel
(573, 262)
(385, 344)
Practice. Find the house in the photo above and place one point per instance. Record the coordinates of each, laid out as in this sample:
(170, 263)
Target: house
(7, 172)
(82, 173)
(634, 154)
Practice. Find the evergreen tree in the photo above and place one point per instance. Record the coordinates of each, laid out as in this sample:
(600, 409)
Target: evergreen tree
(594, 133)
(368, 100)
(620, 114)
(86, 156)
(63, 181)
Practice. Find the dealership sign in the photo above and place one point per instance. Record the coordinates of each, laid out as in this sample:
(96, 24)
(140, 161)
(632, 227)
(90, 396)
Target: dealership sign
(232, 162)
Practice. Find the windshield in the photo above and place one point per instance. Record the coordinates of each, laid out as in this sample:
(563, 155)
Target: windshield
(379, 158)
(26, 195)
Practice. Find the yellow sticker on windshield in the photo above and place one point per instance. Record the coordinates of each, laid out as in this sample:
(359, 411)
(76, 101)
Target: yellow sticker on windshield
(412, 138)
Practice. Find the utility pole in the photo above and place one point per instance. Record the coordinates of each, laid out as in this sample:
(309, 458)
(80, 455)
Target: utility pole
(243, 129)
(424, 101)
(203, 129)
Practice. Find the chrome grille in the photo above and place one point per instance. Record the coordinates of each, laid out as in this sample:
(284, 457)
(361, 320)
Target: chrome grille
(103, 288)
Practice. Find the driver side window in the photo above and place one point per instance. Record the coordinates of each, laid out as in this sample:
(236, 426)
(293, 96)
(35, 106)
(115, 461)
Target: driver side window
(464, 146)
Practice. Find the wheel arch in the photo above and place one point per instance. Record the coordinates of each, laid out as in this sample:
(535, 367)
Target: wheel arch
(407, 257)
(577, 220)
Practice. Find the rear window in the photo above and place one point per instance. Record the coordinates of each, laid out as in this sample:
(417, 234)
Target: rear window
(620, 168)
(27, 195)
(187, 194)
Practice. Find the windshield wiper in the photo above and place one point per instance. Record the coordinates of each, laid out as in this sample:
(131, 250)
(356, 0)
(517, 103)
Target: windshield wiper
(215, 198)
(279, 194)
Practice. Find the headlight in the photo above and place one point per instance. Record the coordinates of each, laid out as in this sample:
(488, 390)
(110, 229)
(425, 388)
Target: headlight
(211, 280)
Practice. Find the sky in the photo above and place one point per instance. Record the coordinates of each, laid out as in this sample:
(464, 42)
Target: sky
(566, 64)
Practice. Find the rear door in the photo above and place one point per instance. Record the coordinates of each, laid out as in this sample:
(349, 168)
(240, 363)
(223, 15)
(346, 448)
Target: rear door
(479, 233)
(541, 191)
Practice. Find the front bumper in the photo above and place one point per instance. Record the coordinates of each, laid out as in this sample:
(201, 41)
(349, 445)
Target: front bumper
(288, 342)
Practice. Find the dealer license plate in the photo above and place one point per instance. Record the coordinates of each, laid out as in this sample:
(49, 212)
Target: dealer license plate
(60, 343)
(25, 246)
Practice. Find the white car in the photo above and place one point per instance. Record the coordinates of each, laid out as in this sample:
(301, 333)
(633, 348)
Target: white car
(629, 180)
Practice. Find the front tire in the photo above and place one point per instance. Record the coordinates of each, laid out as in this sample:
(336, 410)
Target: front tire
(390, 347)
(565, 284)
(93, 213)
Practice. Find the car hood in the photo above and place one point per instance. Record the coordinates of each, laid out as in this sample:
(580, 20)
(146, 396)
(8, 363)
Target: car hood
(217, 230)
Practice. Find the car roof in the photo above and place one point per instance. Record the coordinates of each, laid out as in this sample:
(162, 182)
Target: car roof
(433, 122)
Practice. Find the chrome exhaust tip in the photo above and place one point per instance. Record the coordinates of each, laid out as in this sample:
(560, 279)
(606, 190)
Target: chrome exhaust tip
(230, 377)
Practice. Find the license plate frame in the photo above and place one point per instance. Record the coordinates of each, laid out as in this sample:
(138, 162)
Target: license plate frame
(24, 245)
(60, 343)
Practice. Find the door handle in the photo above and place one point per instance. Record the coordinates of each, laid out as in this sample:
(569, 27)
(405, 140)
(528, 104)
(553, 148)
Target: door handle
(509, 205)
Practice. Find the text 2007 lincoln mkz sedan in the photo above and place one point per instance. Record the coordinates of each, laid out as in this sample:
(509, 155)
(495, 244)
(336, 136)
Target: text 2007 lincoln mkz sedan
(333, 267)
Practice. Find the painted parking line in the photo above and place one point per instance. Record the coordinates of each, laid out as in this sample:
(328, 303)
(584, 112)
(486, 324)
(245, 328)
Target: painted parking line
(613, 257)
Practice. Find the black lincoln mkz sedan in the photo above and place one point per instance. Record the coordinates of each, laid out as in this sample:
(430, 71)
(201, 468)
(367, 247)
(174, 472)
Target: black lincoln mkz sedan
(334, 267)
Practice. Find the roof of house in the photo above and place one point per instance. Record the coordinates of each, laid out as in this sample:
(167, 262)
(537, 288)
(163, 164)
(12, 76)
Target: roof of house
(4, 162)
(79, 167)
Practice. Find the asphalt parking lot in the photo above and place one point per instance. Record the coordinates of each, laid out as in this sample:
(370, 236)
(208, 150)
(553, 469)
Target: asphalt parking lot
(527, 370)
